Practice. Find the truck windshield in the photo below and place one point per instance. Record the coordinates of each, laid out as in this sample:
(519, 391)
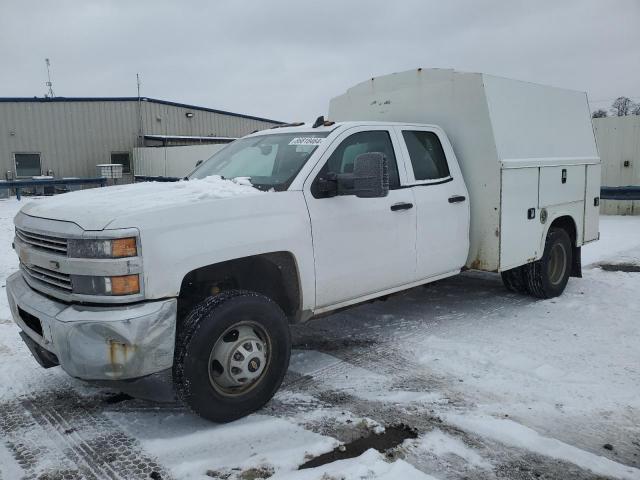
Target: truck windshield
(269, 161)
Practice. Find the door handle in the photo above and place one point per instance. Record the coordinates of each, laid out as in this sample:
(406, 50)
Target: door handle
(401, 206)
(457, 199)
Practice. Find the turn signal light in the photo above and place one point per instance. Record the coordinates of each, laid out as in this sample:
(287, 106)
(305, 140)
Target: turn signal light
(125, 285)
(124, 247)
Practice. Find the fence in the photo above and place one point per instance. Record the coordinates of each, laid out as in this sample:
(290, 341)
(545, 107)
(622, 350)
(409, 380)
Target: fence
(148, 178)
(18, 185)
(620, 193)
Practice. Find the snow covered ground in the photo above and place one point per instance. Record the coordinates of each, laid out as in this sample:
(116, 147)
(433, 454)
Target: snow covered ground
(497, 385)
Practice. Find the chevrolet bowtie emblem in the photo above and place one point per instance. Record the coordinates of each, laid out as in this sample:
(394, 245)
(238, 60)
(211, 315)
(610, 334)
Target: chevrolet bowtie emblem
(54, 264)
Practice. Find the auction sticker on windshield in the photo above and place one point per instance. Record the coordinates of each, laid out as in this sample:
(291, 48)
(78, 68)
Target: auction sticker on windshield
(306, 141)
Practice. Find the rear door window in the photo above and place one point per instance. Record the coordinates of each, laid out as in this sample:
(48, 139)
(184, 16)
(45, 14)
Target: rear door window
(427, 155)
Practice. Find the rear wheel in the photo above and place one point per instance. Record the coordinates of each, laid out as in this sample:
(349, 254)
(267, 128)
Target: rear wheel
(548, 277)
(232, 353)
(514, 280)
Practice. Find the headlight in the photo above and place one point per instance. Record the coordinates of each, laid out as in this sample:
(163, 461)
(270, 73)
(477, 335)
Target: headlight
(120, 285)
(94, 248)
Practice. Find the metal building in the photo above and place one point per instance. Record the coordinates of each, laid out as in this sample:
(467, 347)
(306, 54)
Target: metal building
(68, 137)
(618, 140)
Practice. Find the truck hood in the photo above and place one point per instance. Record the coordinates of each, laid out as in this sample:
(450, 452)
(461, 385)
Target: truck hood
(96, 208)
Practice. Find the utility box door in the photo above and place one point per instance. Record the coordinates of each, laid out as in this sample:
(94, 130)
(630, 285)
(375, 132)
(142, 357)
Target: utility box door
(591, 202)
(563, 184)
(520, 227)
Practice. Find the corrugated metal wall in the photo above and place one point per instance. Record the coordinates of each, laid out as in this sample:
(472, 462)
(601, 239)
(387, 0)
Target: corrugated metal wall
(618, 141)
(72, 137)
(160, 119)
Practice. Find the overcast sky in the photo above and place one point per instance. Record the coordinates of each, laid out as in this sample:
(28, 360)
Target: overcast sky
(285, 59)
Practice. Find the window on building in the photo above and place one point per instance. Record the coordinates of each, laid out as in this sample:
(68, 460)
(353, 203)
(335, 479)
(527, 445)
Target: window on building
(122, 158)
(427, 156)
(28, 164)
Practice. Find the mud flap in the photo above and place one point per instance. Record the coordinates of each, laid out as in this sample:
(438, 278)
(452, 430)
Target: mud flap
(576, 266)
(45, 358)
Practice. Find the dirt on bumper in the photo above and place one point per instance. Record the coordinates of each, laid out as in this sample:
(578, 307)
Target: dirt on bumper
(97, 343)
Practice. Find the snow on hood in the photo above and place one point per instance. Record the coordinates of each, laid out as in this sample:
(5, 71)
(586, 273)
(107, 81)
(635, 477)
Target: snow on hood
(95, 208)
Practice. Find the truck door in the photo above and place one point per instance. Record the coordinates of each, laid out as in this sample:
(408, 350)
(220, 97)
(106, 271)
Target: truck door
(442, 201)
(361, 245)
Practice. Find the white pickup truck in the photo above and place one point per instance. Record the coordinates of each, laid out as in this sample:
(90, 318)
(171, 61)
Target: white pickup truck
(419, 176)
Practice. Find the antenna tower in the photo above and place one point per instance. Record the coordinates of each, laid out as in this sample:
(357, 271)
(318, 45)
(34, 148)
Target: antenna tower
(49, 84)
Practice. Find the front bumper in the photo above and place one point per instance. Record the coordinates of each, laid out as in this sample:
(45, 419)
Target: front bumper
(97, 343)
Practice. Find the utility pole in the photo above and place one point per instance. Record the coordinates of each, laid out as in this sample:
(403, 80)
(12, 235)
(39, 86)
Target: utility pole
(140, 129)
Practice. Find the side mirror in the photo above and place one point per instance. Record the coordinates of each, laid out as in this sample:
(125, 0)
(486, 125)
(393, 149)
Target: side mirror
(370, 178)
(370, 175)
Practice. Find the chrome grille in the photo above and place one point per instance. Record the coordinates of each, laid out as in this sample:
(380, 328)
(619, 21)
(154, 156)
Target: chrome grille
(48, 243)
(51, 278)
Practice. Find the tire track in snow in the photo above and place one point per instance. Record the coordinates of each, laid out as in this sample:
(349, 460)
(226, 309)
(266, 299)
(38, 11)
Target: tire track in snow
(387, 359)
(510, 462)
(62, 435)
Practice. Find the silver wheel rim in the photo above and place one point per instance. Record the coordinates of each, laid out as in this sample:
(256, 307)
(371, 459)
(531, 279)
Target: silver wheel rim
(239, 358)
(557, 263)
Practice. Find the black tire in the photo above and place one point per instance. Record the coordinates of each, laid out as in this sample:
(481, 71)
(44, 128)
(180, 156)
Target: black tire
(514, 280)
(548, 277)
(195, 341)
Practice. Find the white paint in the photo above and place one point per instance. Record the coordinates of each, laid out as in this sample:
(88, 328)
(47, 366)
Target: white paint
(591, 210)
(520, 235)
(362, 235)
(492, 123)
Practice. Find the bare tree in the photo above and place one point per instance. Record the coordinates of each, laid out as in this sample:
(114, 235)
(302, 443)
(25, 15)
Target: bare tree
(636, 109)
(600, 113)
(621, 106)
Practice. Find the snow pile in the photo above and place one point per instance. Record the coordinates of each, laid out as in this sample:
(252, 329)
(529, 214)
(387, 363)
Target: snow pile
(160, 193)
(9, 466)
(544, 361)
(213, 187)
(370, 464)
(441, 444)
(94, 208)
(192, 446)
(512, 433)
(617, 234)
(8, 258)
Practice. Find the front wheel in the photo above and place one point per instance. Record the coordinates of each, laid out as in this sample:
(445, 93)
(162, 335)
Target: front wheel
(548, 277)
(232, 353)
